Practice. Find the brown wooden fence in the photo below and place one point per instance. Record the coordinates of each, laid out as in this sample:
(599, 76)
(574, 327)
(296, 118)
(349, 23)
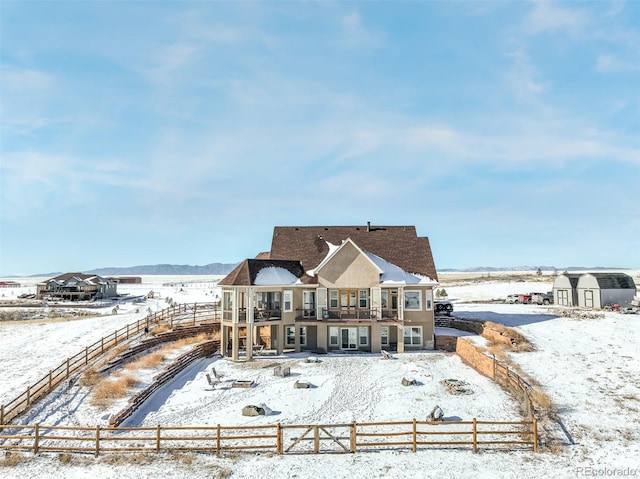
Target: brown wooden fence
(277, 438)
(176, 315)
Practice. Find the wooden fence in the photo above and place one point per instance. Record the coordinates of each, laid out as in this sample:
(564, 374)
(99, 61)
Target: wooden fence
(277, 438)
(176, 315)
(202, 350)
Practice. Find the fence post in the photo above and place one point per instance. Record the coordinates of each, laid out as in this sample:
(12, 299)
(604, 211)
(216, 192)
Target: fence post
(36, 439)
(28, 395)
(127, 332)
(354, 436)
(50, 380)
(475, 436)
(86, 355)
(67, 368)
(115, 338)
(218, 440)
(102, 345)
(158, 438)
(316, 440)
(195, 306)
(278, 439)
(2, 414)
(534, 426)
(97, 440)
(415, 436)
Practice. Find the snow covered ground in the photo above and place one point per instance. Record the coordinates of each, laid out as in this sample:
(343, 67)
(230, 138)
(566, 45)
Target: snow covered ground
(589, 367)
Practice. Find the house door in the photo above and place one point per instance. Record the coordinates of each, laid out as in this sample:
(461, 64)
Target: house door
(348, 302)
(349, 339)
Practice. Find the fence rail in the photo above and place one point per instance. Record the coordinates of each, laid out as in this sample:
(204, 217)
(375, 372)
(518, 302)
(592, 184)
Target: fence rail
(278, 438)
(173, 316)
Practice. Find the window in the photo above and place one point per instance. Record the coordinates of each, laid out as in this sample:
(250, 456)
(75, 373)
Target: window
(333, 336)
(413, 335)
(303, 336)
(309, 303)
(290, 334)
(333, 298)
(228, 300)
(384, 299)
(412, 300)
(363, 299)
(384, 335)
(429, 295)
(268, 300)
(363, 336)
(288, 300)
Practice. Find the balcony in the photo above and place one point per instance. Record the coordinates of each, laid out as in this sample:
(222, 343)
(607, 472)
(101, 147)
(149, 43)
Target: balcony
(349, 314)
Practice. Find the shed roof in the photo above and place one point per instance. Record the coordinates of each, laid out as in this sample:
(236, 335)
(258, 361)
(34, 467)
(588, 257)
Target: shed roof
(614, 280)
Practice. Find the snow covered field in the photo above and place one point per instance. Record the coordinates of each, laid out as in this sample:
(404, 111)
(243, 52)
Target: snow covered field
(589, 367)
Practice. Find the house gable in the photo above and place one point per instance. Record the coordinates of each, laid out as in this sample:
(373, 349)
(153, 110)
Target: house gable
(348, 266)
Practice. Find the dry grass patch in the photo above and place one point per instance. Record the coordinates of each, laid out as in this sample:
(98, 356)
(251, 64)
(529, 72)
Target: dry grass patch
(90, 378)
(11, 459)
(112, 388)
(518, 342)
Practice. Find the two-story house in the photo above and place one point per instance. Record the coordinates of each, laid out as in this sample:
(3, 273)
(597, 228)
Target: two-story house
(77, 287)
(330, 289)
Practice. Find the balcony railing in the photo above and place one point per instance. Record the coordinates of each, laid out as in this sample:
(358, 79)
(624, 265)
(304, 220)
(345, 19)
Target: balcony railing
(357, 314)
(259, 315)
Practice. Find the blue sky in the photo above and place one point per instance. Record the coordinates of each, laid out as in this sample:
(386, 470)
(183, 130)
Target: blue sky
(182, 132)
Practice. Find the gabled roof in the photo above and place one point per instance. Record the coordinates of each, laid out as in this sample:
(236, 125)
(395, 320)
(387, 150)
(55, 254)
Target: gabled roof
(245, 273)
(333, 250)
(68, 278)
(399, 245)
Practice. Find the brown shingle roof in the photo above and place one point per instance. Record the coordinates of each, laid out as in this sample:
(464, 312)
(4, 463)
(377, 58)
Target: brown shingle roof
(245, 273)
(399, 245)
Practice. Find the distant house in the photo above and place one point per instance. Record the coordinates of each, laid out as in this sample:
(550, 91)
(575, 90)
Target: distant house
(594, 290)
(126, 279)
(332, 288)
(9, 284)
(77, 287)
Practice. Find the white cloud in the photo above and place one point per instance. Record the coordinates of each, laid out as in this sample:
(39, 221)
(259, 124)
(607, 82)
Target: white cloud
(613, 64)
(548, 17)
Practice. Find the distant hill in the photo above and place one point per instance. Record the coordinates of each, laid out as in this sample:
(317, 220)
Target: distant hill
(524, 268)
(225, 268)
(166, 269)
(158, 269)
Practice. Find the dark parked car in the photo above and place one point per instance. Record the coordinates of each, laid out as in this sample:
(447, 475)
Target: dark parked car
(443, 307)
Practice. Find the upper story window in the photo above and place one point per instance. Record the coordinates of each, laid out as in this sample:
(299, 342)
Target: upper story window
(333, 298)
(363, 299)
(288, 300)
(412, 300)
(228, 300)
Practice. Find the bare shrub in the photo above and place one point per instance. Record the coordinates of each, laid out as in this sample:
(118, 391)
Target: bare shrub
(65, 458)
(11, 459)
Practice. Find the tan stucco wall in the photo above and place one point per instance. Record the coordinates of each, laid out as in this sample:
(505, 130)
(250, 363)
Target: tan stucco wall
(349, 268)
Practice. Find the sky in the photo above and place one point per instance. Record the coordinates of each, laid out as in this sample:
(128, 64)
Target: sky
(144, 132)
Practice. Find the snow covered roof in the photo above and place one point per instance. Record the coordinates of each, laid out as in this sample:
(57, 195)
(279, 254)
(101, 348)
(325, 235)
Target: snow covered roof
(396, 275)
(264, 272)
(399, 245)
(389, 272)
(275, 275)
